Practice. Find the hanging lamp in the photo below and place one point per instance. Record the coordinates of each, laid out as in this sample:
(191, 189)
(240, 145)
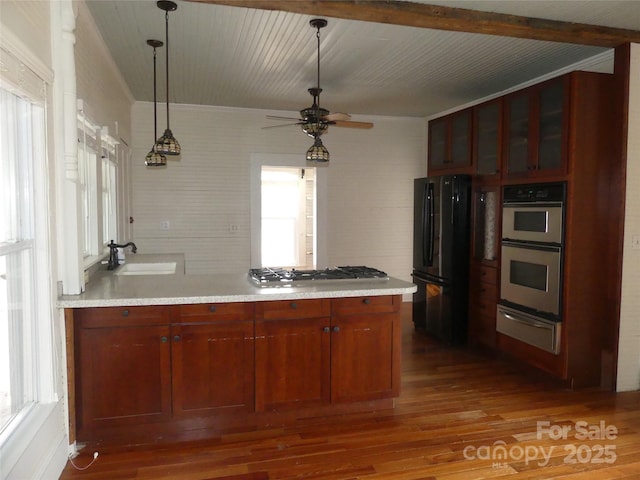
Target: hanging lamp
(153, 158)
(167, 144)
(318, 153)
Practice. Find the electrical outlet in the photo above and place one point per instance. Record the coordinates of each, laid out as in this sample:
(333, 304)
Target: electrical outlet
(635, 242)
(165, 225)
(233, 228)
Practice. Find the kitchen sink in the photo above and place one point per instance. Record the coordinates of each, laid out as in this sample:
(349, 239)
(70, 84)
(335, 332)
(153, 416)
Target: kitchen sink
(165, 268)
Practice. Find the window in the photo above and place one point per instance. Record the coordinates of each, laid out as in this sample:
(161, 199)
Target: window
(88, 174)
(98, 178)
(109, 207)
(22, 146)
(288, 217)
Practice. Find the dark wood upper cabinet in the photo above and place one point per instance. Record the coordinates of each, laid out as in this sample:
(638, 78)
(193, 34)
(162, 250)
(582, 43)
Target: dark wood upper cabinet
(450, 143)
(536, 129)
(487, 135)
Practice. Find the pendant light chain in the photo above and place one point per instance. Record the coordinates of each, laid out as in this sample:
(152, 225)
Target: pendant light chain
(153, 158)
(166, 53)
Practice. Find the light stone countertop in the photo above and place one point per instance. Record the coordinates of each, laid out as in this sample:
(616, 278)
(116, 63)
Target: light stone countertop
(106, 289)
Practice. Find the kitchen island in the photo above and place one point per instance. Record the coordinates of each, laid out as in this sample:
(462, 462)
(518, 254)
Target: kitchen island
(166, 357)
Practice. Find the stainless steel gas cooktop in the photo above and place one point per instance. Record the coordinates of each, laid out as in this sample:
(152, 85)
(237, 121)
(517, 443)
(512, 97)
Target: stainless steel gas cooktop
(280, 276)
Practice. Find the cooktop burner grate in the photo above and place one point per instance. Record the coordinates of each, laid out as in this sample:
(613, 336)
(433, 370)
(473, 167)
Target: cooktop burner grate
(273, 275)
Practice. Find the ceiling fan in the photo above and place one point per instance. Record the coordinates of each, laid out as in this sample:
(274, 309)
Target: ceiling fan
(315, 120)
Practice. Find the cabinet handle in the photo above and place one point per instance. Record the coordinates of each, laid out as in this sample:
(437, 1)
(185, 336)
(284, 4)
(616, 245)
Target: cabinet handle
(163, 339)
(366, 301)
(325, 329)
(212, 308)
(125, 313)
(336, 328)
(294, 305)
(176, 338)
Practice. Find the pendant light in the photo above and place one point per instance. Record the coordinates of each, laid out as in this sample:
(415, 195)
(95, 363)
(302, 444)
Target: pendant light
(318, 153)
(167, 144)
(153, 158)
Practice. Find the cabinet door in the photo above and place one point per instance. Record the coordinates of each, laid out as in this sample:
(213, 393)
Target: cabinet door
(292, 363)
(212, 368)
(363, 357)
(438, 143)
(517, 148)
(460, 139)
(124, 375)
(550, 138)
(486, 227)
(486, 144)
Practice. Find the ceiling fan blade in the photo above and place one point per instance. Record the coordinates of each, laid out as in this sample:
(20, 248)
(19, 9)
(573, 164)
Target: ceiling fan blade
(337, 116)
(283, 125)
(271, 117)
(348, 124)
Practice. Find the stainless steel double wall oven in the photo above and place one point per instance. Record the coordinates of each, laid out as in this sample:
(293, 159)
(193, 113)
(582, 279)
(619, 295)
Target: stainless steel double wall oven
(530, 307)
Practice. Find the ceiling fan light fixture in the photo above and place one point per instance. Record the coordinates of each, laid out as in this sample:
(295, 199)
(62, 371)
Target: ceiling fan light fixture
(167, 144)
(315, 128)
(318, 153)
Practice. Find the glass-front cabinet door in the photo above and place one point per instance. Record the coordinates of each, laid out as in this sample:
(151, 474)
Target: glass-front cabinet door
(450, 143)
(461, 139)
(550, 127)
(486, 144)
(517, 134)
(535, 130)
(437, 143)
(486, 235)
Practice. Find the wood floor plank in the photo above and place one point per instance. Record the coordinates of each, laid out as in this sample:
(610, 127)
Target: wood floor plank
(459, 411)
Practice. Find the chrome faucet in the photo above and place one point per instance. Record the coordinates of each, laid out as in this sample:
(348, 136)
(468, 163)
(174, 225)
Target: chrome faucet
(113, 253)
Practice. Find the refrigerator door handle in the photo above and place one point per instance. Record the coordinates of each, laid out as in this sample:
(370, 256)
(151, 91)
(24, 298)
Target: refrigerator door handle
(431, 215)
(425, 224)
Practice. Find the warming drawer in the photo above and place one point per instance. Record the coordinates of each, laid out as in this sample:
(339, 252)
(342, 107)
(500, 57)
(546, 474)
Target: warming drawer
(536, 331)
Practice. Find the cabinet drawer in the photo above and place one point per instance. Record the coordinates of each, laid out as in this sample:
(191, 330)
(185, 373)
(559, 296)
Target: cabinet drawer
(293, 309)
(484, 298)
(211, 312)
(358, 305)
(485, 274)
(122, 316)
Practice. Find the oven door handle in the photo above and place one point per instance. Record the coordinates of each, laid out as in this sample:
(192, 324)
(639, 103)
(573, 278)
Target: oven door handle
(529, 323)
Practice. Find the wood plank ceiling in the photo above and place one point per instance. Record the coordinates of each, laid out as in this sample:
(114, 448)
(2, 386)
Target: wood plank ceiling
(377, 58)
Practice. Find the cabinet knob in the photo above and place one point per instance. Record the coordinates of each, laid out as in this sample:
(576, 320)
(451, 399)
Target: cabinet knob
(325, 329)
(164, 339)
(125, 313)
(176, 338)
(294, 305)
(336, 328)
(366, 301)
(212, 308)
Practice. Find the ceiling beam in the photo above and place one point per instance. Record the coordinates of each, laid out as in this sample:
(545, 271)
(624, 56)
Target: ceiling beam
(447, 18)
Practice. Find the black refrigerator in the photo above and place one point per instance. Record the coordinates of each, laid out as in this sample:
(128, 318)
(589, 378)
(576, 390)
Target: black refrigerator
(441, 235)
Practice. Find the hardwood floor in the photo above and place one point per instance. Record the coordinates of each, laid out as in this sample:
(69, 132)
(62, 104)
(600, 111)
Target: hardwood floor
(462, 414)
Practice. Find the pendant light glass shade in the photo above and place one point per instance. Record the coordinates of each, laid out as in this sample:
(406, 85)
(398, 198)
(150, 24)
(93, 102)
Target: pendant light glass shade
(167, 144)
(318, 152)
(153, 158)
